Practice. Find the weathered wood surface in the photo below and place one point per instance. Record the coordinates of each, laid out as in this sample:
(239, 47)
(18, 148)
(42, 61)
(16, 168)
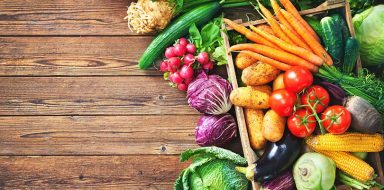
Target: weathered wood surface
(137, 172)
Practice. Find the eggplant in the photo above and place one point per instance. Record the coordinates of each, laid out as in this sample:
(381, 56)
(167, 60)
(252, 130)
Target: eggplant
(277, 158)
(283, 182)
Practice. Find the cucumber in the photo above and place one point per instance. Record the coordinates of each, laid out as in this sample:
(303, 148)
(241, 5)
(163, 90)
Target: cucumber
(350, 55)
(344, 27)
(333, 39)
(176, 29)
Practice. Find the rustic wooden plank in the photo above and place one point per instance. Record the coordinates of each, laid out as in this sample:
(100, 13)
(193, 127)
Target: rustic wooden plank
(62, 56)
(96, 135)
(89, 172)
(76, 17)
(141, 95)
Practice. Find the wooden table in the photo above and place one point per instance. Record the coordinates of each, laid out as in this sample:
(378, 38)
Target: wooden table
(75, 112)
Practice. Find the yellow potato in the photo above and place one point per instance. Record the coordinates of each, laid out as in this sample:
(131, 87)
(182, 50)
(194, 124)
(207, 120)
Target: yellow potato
(259, 74)
(250, 98)
(254, 120)
(278, 83)
(273, 126)
(244, 60)
(264, 88)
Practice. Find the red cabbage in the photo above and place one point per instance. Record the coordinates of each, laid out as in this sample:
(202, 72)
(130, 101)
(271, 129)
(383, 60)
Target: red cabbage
(210, 94)
(215, 130)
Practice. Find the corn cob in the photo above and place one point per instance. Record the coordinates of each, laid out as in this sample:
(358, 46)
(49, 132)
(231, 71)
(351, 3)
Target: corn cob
(348, 142)
(350, 164)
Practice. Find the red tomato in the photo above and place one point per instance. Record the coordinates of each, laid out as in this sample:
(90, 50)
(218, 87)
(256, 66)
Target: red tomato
(297, 79)
(282, 102)
(302, 123)
(315, 94)
(336, 119)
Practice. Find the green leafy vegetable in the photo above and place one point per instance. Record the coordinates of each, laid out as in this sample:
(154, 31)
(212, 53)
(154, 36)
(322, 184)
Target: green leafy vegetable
(211, 168)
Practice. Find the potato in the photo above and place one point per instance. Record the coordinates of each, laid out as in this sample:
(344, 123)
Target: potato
(249, 98)
(264, 88)
(259, 74)
(273, 126)
(254, 120)
(278, 83)
(244, 60)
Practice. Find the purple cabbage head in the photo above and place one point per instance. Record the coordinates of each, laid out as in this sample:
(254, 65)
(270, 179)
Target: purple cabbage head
(215, 130)
(210, 94)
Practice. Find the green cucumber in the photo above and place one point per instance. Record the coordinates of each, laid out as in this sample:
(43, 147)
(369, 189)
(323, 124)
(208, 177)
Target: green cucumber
(344, 27)
(350, 55)
(178, 28)
(333, 39)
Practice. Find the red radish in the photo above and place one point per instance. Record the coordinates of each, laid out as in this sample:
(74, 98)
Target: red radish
(170, 52)
(170, 76)
(174, 63)
(186, 72)
(208, 66)
(182, 87)
(176, 78)
(203, 58)
(180, 50)
(188, 81)
(183, 41)
(189, 59)
(191, 48)
(164, 66)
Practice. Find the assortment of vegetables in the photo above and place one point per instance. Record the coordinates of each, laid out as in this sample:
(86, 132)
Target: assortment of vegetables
(297, 73)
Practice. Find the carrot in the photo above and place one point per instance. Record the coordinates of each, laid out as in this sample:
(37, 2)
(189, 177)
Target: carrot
(275, 54)
(279, 65)
(291, 9)
(315, 45)
(274, 24)
(301, 52)
(292, 34)
(266, 28)
(249, 34)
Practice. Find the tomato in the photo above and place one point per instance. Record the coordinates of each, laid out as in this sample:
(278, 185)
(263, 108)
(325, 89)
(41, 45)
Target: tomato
(315, 94)
(282, 102)
(297, 79)
(336, 119)
(302, 123)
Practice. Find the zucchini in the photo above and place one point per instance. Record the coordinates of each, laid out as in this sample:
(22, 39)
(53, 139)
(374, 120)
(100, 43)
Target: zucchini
(344, 27)
(176, 29)
(333, 39)
(350, 55)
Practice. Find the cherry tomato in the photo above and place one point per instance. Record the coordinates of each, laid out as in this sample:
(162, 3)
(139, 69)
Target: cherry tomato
(336, 119)
(302, 123)
(282, 102)
(315, 94)
(297, 79)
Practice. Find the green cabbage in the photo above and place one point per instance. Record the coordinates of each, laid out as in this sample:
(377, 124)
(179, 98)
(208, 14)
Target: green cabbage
(369, 26)
(212, 168)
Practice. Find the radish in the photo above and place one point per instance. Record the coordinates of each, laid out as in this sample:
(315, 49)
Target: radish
(176, 78)
(208, 66)
(170, 52)
(189, 59)
(174, 63)
(203, 58)
(182, 87)
(180, 50)
(164, 66)
(186, 72)
(183, 41)
(188, 81)
(191, 48)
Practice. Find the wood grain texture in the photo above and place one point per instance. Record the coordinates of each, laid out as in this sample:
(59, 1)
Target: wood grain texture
(96, 135)
(74, 56)
(141, 95)
(140, 172)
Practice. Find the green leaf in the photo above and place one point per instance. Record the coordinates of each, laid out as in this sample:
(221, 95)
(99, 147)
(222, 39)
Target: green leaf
(195, 36)
(166, 76)
(210, 34)
(179, 183)
(216, 152)
(220, 56)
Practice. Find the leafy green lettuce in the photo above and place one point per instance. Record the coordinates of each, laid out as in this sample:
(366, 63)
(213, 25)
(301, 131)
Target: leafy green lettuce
(212, 168)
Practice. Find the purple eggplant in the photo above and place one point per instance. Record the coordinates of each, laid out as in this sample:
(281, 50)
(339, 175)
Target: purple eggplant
(283, 182)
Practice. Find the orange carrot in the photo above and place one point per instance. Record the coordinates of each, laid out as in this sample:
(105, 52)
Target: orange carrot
(266, 28)
(275, 54)
(298, 41)
(274, 24)
(291, 9)
(299, 51)
(311, 41)
(279, 65)
(249, 34)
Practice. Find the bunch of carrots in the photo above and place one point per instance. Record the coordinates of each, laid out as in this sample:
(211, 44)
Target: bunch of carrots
(291, 42)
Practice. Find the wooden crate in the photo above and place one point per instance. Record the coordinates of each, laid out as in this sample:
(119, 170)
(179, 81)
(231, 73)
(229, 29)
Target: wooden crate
(373, 158)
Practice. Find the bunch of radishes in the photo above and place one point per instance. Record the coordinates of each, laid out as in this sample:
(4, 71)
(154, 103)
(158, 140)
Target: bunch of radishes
(180, 64)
